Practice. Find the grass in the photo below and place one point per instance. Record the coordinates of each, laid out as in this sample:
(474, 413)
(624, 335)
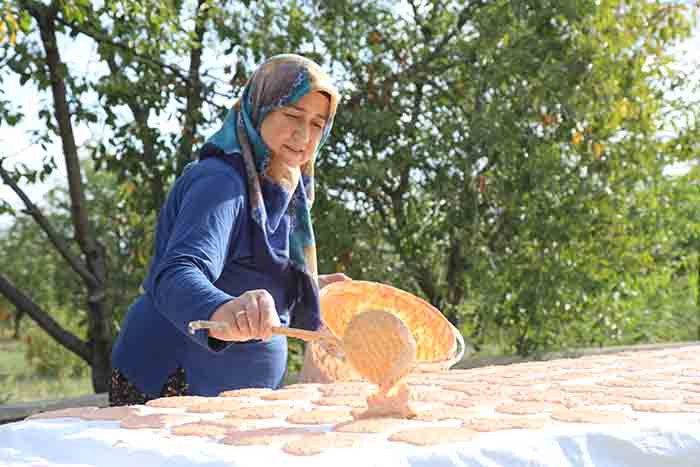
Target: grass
(19, 382)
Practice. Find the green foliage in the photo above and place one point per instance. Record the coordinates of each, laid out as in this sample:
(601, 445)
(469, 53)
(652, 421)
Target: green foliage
(516, 168)
(46, 356)
(126, 236)
(296, 357)
(20, 382)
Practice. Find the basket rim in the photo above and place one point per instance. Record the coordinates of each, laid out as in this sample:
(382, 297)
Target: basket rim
(458, 347)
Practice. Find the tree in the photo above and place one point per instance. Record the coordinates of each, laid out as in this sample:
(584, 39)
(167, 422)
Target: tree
(504, 158)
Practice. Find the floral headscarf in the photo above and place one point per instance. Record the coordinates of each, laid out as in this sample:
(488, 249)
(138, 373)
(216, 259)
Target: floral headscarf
(280, 81)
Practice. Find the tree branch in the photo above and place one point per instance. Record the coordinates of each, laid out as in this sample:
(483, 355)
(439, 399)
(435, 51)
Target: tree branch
(102, 38)
(57, 71)
(437, 51)
(417, 17)
(194, 90)
(455, 266)
(58, 242)
(141, 119)
(25, 304)
(464, 15)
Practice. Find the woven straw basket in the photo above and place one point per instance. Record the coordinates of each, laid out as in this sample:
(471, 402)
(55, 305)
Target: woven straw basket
(439, 345)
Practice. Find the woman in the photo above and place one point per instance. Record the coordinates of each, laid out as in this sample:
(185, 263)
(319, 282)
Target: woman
(234, 243)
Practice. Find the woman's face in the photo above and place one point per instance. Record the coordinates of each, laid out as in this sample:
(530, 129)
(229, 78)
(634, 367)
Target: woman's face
(293, 132)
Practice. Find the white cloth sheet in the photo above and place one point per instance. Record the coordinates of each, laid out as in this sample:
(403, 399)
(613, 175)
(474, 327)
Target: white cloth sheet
(632, 385)
(668, 441)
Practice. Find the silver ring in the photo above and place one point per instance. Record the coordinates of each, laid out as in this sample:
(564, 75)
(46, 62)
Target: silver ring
(244, 313)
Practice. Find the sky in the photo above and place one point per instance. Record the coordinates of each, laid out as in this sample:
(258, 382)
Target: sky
(18, 148)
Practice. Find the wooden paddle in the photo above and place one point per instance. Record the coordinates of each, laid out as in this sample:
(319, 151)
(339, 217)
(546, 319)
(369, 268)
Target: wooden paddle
(376, 343)
(296, 333)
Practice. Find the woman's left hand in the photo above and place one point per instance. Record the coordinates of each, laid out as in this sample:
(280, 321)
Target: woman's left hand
(325, 279)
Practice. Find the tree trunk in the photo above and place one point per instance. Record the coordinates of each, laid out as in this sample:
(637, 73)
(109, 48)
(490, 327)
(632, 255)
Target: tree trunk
(99, 318)
(17, 320)
(101, 364)
(193, 113)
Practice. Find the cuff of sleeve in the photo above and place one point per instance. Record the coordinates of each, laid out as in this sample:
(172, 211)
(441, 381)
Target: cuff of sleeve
(217, 345)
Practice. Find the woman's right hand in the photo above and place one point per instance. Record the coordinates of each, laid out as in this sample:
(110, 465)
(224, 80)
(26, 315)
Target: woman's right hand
(249, 316)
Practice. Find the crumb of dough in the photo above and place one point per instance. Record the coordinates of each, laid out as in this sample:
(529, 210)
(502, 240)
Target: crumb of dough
(374, 425)
(620, 383)
(262, 411)
(692, 399)
(201, 429)
(504, 423)
(155, 421)
(689, 387)
(263, 436)
(320, 416)
(551, 396)
(347, 389)
(316, 443)
(176, 402)
(290, 394)
(523, 408)
(220, 404)
(470, 389)
(309, 386)
(580, 388)
(465, 403)
(590, 415)
(394, 403)
(428, 436)
(356, 402)
(585, 400)
(245, 392)
(439, 413)
(436, 395)
(665, 407)
(648, 394)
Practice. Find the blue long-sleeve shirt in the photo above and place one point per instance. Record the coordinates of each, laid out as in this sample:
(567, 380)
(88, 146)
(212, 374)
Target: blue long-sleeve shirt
(204, 256)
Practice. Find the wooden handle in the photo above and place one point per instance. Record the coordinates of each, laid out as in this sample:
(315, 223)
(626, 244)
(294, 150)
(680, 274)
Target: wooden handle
(308, 336)
(302, 334)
